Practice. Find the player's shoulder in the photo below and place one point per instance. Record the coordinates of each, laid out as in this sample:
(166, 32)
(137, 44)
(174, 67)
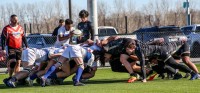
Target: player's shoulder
(7, 26)
(89, 22)
(62, 28)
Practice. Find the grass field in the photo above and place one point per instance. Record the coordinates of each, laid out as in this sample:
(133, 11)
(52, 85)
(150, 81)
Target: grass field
(107, 81)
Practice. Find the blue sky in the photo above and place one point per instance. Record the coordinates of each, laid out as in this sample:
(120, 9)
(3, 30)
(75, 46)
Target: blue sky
(79, 3)
(82, 4)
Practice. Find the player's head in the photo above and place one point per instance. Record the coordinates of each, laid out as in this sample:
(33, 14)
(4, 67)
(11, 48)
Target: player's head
(130, 46)
(68, 23)
(61, 22)
(13, 19)
(83, 14)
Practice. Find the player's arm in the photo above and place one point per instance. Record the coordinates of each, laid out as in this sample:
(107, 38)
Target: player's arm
(87, 43)
(91, 32)
(134, 57)
(55, 55)
(109, 39)
(3, 39)
(63, 37)
(123, 60)
(25, 41)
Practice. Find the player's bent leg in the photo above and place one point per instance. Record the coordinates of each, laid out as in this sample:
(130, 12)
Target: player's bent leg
(89, 73)
(79, 62)
(66, 69)
(52, 69)
(135, 67)
(187, 61)
(20, 75)
(171, 62)
(50, 63)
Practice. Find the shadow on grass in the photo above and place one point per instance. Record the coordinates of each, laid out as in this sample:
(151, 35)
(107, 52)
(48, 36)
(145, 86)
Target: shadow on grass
(2, 86)
(99, 81)
(106, 81)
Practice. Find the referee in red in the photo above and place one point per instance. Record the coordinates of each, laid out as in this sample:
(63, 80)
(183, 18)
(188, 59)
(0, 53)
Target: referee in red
(12, 36)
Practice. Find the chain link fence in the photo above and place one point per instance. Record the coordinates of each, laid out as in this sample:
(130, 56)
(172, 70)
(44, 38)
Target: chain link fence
(144, 34)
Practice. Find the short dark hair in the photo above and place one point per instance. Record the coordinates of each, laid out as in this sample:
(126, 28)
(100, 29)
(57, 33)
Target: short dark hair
(68, 21)
(13, 15)
(83, 13)
(61, 20)
(129, 42)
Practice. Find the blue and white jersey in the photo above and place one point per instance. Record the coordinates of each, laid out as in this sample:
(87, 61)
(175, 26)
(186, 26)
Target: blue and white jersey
(41, 55)
(62, 32)
(53, 50)
(34, 56)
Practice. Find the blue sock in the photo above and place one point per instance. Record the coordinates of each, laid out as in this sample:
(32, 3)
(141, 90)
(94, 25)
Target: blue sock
(34, 76)
(53, 75)
(79, 73)
(50, 71)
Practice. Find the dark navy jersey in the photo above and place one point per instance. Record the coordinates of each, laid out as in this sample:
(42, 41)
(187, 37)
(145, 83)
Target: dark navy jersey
(162, 52)
(86, 28)
(116, 47)
(171, 47)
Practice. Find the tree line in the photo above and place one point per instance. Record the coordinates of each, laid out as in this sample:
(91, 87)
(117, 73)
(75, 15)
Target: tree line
(44, 16)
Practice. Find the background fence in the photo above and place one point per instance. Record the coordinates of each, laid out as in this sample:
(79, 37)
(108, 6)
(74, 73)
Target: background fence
(45, 40)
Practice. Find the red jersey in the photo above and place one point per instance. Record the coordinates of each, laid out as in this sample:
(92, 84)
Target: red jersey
(13, 36)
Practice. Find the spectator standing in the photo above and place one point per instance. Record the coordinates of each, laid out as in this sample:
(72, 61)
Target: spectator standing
(61, 23)
(85, 26)
(13, 36)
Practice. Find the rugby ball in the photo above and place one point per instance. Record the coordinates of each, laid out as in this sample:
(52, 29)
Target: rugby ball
(77, 32)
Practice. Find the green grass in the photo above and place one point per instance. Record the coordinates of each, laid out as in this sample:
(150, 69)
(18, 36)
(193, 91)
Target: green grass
(107, 81)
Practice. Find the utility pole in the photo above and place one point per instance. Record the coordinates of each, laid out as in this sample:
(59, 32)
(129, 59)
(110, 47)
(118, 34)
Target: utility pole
(70, 9)
(92, 8)
(188, 15)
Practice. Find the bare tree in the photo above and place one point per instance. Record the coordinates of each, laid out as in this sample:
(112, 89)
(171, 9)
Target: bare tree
(102, 12)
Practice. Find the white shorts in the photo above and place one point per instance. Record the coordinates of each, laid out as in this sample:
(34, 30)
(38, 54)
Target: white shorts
(28, 55)
(74, 51)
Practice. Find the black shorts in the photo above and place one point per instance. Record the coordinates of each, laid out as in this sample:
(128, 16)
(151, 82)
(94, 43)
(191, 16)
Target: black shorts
(184, 50)
(14, 53)
(159, 68)
(116, 65)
